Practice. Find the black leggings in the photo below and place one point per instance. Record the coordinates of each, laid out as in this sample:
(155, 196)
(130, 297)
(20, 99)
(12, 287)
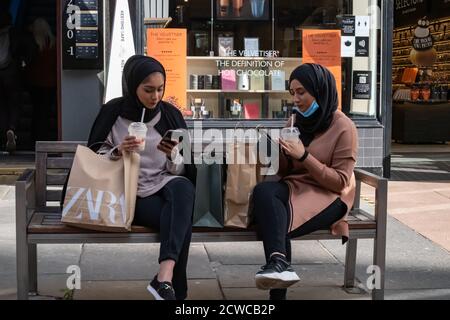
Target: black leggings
(272, 216)
(170, 212)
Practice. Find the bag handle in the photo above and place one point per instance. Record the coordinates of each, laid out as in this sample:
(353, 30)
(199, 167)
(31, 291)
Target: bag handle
(110, 152)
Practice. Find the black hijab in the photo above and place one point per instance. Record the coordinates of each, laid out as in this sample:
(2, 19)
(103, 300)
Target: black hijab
(321, 84)
(135, 71)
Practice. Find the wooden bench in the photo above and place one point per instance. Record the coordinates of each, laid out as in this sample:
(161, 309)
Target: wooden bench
(38, 220)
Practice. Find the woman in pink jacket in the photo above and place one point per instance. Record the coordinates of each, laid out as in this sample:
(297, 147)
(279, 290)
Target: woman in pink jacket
(317, 188)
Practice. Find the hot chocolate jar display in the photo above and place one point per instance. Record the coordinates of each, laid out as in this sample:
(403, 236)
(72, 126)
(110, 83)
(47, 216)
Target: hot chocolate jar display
(423, 53)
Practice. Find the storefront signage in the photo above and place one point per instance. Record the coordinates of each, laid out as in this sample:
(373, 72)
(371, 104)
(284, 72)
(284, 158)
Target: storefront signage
(362, 85)
(323, 47)
(82, 40)
(348, 26)
(355, 31)
(407, 12)
(169, 47)
(122, 48)
(362, 46)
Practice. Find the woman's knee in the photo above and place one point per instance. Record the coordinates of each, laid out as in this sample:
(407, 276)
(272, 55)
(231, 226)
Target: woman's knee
(181, 186)
(265, 191)
(181, 192)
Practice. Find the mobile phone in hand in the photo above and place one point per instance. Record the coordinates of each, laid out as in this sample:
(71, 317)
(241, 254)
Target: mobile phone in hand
(173, 136)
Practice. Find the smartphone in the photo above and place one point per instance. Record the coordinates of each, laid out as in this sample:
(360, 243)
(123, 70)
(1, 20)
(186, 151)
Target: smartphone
(173, 136)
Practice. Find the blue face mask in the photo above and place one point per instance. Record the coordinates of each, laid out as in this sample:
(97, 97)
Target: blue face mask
(312, 109)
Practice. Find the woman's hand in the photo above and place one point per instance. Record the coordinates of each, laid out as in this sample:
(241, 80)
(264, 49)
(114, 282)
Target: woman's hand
(296, 150)
(168, 148)
(129, 144)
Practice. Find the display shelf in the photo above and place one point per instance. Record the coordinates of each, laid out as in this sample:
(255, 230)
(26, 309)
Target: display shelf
(407, 56)
(237, 91)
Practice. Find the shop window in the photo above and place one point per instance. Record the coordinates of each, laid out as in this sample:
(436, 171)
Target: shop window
(270, 30)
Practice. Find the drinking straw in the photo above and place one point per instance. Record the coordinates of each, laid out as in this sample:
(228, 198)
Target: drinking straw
(143, 114)
(292, 123)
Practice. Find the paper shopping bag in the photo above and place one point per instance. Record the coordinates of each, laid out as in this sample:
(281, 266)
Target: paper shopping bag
(101, 193)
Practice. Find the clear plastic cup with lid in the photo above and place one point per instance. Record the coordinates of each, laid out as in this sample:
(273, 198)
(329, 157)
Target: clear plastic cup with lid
(139, 130)
(291, 134)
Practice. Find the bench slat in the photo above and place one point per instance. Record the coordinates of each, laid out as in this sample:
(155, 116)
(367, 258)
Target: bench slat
(51, 223)
(56, 179)
(53, 195)
(59, 163)
(58, 147)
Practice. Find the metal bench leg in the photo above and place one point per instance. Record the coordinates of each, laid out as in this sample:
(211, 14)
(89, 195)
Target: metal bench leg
(379, 260)
(379, 252)
(350, 266)
(23, 279)
(32, 268)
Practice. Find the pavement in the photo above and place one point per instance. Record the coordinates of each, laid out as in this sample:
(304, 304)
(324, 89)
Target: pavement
(417, 261)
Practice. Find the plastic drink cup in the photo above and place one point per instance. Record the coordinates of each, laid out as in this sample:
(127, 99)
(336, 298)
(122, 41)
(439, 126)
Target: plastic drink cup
(138, 130)
(291, 134)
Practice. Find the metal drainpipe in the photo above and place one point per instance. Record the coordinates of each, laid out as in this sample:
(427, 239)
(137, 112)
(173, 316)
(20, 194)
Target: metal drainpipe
(386, 82)
(139, 26)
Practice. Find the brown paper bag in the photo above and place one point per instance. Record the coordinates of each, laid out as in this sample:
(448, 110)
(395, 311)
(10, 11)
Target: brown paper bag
(241, 180)
(101, 193)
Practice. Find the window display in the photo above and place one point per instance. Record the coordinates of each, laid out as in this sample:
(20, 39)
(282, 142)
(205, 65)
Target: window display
(240, 59)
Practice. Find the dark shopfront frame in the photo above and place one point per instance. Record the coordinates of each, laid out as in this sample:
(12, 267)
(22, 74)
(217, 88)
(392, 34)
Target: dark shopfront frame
(383, 120)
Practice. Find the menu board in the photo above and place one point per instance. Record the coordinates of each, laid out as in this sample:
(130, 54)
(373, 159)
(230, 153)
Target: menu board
(324, 47)
(169, 46)
(82, 40)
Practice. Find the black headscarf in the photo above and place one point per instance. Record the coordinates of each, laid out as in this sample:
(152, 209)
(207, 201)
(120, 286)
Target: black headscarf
(321, 84)
(135, 71)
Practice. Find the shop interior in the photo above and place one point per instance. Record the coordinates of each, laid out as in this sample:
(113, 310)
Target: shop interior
(216, 27)
(34, 23)
(421, 82)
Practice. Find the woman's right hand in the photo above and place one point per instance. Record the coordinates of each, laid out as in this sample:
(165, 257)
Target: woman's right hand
(129, 144)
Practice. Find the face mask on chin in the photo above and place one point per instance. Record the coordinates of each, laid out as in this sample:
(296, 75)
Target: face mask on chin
(311, 110)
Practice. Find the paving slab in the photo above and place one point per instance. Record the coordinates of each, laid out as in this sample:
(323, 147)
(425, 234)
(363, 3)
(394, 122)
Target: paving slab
(400, 201)
(412, 261)
(204, 289)
(136, 262)
(10, 195)
(243, 276)
(436, 294)
(119, 262)
(3, 191)
(52, 285)
(56, 258)
(113, 290)
(303, 252)
(7, 232)
(297, 293)
(432, 224)
(8, 285)
(7, 257)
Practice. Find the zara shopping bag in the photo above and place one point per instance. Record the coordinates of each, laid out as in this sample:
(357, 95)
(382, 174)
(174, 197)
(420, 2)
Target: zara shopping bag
(101, 193)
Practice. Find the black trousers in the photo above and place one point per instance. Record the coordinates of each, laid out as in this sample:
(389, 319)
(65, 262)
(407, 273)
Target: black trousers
(10, 99)
(170, 212)
(272, 216)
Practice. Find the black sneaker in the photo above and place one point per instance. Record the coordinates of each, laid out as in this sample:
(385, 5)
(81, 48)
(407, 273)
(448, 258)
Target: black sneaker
(10, 141)
(277, 274)
(161, 290)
